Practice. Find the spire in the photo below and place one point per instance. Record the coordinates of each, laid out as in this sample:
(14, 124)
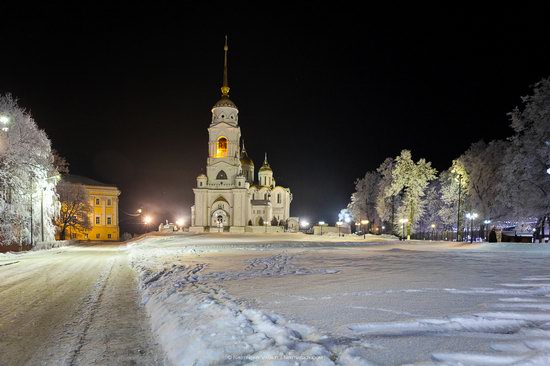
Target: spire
(225, 86)
(265, 160)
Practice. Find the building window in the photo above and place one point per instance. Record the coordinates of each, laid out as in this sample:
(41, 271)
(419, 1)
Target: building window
(108, 236)
(97, 220)
(265, 196)
(97, 201)
(221, 175)
(278, 198)
(239, 184)
(109, 202)
(200, 184)
(97, 236)
(109, 221)
(221, 147)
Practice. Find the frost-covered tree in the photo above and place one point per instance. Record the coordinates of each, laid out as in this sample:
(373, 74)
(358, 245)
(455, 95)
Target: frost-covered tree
(411, 179)
(363, 200)
(483, 164)
(454, 190)
(433, 205)
(27, 177)
(386, 203)
(528, 159)
(76, 209)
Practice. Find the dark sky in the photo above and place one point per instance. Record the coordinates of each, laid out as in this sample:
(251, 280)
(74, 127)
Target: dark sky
(125, 94)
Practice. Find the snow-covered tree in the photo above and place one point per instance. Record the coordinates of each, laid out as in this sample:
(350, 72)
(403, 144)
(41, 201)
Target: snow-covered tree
(386, 203)
(76, 209)
(411, 179)
(454, 190)
(363, 200)
(528, 159)
(27, 177)
(432, 208)
(483, 164)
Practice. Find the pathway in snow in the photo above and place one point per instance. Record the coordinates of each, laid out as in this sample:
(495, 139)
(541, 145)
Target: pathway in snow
(73, 306)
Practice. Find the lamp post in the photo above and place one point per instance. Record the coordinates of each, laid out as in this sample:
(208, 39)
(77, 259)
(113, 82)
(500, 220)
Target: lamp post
(485, 224)
(339, 224)
(364, 222)
(403, 222)
(180, 222)
(471, 216)
(304, 224)
(321, 223)
(147, 220)
(458, 211)
(4, 121)
(265, 226)
(433, 230)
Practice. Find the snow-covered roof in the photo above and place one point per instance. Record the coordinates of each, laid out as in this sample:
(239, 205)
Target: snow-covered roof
(79, 179)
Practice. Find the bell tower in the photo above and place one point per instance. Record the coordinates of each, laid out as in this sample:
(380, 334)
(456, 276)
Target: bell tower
(224, 163)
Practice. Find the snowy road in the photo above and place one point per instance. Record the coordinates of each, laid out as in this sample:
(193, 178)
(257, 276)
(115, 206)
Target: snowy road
(72, 306)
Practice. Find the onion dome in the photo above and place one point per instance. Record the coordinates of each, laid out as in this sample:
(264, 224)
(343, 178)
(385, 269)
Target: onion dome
(245, 159)
(265, 166)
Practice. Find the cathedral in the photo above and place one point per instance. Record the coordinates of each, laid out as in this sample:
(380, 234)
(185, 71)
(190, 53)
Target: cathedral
(228, 195)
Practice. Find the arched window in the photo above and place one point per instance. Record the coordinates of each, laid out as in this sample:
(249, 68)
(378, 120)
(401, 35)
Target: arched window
(221, 175)
(221, 147)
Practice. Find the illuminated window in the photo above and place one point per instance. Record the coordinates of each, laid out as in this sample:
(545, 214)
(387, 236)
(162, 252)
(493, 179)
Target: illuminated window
(109, 202)
(109, 220)
(97, 220)
(97, 201)
(221, 148)
(108, 236)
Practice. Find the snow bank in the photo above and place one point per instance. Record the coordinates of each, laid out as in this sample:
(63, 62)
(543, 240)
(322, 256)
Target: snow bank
(44, 245)
(198, 323)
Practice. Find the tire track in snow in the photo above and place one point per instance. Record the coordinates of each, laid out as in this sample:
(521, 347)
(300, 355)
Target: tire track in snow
(91, 305)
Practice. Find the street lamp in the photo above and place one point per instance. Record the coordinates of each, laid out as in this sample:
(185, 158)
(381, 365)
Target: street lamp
(485, 223)
(304, 224)
(321, 223)
(147, 220)
(403, 222)
(265, 226)
(339, 224)
(433, 230)
(458, 211)
(471, 216)
(364, 222)
(4, 121)
(180, 222)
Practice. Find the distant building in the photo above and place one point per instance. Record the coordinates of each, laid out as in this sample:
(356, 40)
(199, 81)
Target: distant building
(228, 195)
(104, 201)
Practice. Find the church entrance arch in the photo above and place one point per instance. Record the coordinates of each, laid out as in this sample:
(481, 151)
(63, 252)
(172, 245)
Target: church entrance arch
(220, 218)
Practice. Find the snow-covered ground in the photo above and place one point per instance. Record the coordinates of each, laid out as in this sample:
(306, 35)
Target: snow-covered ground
(292, 299)
(73, 306)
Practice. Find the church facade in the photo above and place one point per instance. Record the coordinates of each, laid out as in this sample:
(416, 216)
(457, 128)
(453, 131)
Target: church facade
(229, 195)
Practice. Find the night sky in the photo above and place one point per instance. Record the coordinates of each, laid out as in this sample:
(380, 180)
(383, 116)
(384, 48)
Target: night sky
(125, 94)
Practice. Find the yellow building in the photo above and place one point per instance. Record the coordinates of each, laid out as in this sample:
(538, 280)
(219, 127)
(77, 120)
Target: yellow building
(104, 217)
